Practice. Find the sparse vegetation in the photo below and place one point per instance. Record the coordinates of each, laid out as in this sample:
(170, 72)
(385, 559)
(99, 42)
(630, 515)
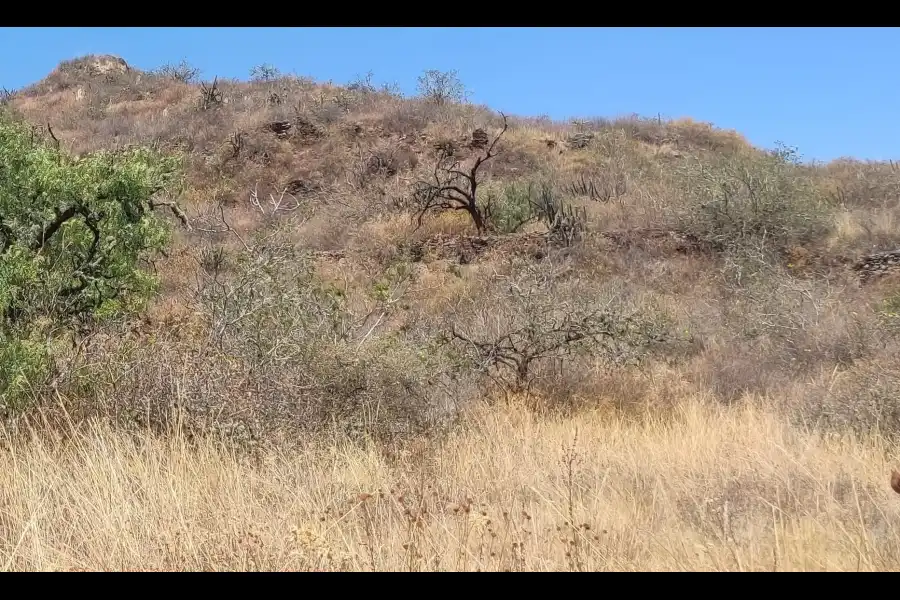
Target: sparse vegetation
(210, 95)
(323, 327)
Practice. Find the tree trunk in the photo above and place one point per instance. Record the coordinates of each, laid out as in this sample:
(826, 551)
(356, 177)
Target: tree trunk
(477, 217)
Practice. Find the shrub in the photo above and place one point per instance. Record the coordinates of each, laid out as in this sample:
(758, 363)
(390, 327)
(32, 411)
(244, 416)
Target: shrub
(73, 237)
(862, 399)
(441, 87)
(863, 184)
(753, 198)
(541, 316)
(454, 186)
(269, 351)
(514, 207)
(264, 72)
(183, 72)
(522, 203)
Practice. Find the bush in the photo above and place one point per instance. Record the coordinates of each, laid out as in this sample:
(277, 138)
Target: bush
(268, 351)
(863, 184)
(514, 207)
(73, 237)
(523, 203)
(441, 87)
(862, 399)
(264, 72)
(183, 72)
(758, 199)
(541, 316)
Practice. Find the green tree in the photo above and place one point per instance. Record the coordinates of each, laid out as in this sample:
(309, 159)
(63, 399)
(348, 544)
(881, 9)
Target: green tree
(74, 237)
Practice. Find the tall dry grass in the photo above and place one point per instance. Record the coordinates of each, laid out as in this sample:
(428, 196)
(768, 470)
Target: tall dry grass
(702, 487)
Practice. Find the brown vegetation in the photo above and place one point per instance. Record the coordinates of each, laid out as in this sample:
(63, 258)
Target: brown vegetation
(683, 301)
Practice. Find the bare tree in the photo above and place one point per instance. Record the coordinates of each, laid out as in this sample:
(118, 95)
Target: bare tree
(441, 87)
(183, 72)
(452, 187)
(538, 316)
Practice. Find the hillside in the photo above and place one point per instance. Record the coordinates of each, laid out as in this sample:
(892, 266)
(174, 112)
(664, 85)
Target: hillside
(646, 338)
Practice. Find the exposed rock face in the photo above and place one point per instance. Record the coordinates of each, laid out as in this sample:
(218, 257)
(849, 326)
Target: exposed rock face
(279, 128)
(580, 140)
(479, 139)
(875, 265)
(101, 65)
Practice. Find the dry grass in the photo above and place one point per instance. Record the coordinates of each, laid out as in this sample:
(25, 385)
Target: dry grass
(698, 487)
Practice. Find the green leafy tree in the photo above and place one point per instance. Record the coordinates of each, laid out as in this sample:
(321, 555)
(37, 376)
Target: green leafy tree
(74, 236)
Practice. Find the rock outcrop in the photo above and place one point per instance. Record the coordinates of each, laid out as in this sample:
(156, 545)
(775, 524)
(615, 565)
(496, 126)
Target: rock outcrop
(107, 63)
(878, 264)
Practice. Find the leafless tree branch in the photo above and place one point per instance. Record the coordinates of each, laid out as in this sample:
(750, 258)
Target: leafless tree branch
(455, 188)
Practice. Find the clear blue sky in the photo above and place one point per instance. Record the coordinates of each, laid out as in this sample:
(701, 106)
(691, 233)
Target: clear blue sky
(828, 91)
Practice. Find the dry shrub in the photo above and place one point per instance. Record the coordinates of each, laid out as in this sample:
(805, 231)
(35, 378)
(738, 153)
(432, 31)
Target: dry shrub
(379, 162)
(684, 134)
(274, 351)
(105, 72)
(864, 231)
(542, 315)
(761, 200)
(863, 398)
(867, 195)
(863, 184)
(770, 327)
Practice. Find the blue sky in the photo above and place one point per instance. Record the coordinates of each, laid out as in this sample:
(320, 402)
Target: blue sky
(830, 92)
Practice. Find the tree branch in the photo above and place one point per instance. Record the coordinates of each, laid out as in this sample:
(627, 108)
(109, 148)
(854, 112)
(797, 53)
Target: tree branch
(51, 228)
(176, 210)
(454, 188)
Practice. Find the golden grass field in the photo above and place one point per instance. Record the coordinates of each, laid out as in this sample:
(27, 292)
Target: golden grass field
(699, 488)
(763, 440)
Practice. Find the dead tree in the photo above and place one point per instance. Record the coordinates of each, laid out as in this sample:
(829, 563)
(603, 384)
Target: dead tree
(210, 95)
(455, 188)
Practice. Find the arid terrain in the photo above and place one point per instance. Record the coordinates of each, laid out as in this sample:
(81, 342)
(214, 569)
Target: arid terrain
(413, 333)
